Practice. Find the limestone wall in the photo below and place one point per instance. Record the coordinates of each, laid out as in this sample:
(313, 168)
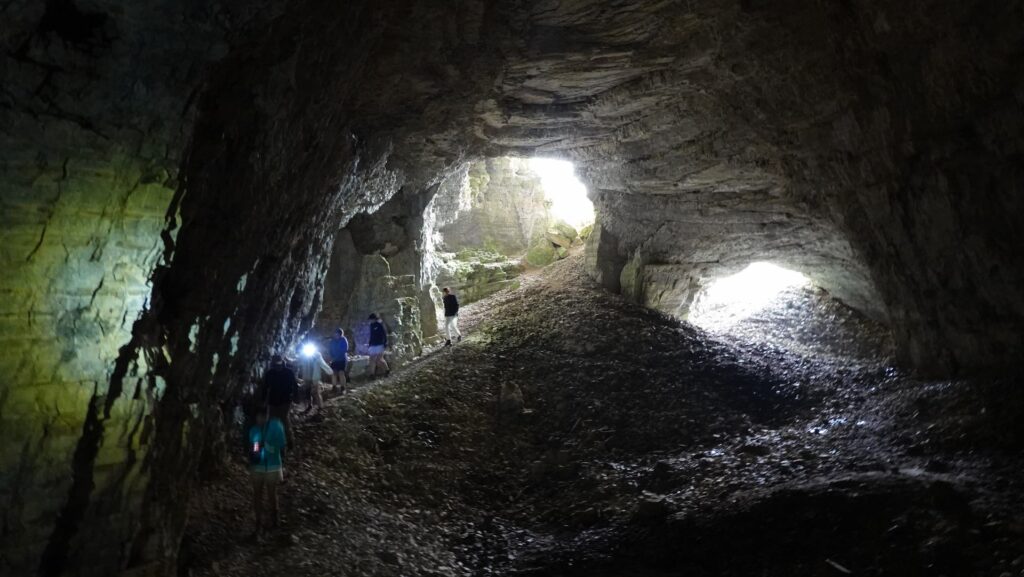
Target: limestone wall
(459, 234)
(89, 162)
(376, 267)
(507, 211)
(171, 185)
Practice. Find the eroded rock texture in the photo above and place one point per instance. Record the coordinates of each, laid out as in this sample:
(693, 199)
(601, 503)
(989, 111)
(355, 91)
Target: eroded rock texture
(506, 212)
(174, 174)
(377, 267)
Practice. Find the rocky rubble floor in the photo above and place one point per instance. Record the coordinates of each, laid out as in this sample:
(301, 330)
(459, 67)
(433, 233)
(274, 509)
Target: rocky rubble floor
(642, 447)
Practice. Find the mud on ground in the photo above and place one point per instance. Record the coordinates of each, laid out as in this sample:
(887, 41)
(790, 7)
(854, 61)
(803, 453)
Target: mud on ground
(645, 447)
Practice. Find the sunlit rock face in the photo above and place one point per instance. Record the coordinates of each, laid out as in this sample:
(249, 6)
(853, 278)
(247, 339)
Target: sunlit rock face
(174, 177)
(463, 233)
(505, 209)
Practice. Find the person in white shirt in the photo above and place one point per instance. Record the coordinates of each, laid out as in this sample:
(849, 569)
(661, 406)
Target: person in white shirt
(312, 368)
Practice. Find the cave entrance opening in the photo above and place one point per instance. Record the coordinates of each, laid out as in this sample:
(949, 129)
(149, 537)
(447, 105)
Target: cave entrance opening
(564, 191)
(766, 304)
(729, 300)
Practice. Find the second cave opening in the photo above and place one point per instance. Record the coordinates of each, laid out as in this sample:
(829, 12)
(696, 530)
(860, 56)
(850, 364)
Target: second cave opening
(728, 300)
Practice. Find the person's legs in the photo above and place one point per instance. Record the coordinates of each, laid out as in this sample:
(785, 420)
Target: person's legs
(316, 397)
(455, 327)
(371, 367)
(340, 372)
(448, 330)
(273, 480)
(257, 499)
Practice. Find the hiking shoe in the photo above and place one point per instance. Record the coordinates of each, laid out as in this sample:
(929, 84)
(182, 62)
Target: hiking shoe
(447, 342)
(460, 338)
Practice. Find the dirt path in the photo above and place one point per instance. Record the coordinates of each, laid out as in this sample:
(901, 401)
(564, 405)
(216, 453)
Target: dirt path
(646, 448)
(471, 316)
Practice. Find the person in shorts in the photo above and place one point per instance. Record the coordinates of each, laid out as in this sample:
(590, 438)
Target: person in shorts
(313, 368)
(266, 444)
(377, 345)
(337, 348)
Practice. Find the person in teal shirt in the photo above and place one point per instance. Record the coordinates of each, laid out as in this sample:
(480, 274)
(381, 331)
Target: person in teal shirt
(266, 443)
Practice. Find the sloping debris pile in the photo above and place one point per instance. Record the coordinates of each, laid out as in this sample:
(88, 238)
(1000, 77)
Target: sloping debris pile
(573, 433)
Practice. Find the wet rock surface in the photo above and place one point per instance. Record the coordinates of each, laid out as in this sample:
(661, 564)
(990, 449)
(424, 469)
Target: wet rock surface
(644, 447)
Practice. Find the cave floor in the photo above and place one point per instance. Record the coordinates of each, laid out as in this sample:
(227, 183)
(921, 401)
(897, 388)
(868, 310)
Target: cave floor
(648, 447)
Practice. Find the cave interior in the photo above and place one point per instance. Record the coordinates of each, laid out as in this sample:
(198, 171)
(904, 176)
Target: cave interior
(189, 187)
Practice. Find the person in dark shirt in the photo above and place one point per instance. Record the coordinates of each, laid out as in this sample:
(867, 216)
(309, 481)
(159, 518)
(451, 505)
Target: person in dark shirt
(451, 316)
(378, 343)
(337, 348)
(280, 387)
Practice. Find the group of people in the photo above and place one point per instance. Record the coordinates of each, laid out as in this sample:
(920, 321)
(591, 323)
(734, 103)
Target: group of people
(271, 434)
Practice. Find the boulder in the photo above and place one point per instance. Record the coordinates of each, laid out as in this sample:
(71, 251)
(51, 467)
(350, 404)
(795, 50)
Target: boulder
(565, 229)
(558, 239)
(541, 254)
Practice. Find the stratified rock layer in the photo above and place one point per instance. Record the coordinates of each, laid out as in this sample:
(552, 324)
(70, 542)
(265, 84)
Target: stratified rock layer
(507, 212)
(376, 267)
(174, 176)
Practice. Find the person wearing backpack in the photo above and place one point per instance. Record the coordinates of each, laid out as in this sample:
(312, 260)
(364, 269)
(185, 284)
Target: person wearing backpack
(267, 441)
(378, 343)
(280, 388)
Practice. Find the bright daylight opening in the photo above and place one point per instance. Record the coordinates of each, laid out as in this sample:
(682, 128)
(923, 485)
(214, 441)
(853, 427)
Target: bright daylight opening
(566, 193)
(729, 300)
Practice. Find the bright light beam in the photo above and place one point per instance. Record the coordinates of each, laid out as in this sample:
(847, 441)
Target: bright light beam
(729, 300)
(567, 195)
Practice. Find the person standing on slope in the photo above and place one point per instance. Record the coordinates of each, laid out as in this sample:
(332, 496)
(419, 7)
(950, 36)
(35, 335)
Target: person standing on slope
(338, 349)
(451, 316)
(378, 343)
(314, 367)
